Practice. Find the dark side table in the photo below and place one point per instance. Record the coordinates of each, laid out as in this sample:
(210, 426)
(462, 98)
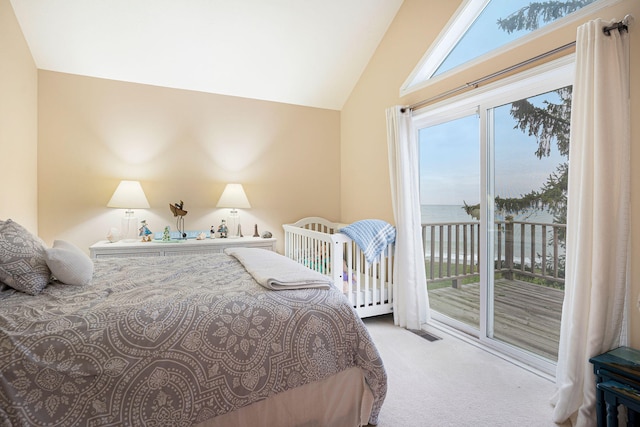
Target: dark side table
(617, 383)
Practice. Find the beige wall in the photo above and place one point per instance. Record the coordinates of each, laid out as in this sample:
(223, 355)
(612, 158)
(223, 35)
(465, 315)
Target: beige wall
(18, 124)
(365, 189)
(181, 145)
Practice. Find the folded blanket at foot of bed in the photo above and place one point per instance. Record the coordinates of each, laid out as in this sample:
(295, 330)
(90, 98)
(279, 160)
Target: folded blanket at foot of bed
(277, 272)
(371, 235)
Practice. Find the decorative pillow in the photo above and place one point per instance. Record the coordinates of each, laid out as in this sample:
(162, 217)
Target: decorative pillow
(22, 263)
(68, 263)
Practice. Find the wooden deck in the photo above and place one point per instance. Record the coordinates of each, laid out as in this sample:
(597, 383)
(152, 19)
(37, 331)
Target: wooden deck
(526, 315)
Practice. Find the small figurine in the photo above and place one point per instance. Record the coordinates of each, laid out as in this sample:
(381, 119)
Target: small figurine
(255, 231)
(178, 211)
(201, 236)
(267, 235)
(144, 231)
(213, 232)
(223, 230)
(113, 235)
(166, 236)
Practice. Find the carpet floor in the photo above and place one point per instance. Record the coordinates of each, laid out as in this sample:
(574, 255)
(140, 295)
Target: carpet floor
(449, 382)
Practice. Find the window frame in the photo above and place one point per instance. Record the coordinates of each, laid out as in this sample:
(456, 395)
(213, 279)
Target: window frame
(422, 75)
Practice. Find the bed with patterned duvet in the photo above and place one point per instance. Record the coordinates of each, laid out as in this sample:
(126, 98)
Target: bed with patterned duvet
(198, 340)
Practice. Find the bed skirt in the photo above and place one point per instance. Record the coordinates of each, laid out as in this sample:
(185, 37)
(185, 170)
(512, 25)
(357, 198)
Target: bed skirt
(346, 394)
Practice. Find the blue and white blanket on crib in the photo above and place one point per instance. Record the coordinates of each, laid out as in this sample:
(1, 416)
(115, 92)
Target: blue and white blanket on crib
(371, 235)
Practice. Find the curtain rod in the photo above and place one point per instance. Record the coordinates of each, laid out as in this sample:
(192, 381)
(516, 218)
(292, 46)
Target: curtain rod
(621, 26)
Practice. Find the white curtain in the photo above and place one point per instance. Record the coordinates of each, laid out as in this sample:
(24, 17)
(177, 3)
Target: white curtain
(410, 301)
(598, 223)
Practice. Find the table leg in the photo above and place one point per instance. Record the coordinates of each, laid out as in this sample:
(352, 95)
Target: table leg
(612, 413)
(601, 414)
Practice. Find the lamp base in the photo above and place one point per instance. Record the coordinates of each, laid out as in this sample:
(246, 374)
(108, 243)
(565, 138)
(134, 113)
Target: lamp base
(235, 225)
(129, 229)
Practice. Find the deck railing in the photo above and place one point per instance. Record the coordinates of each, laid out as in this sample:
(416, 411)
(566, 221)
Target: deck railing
(521, 249)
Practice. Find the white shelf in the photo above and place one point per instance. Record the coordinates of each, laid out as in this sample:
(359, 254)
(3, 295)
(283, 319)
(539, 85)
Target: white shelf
(106, 249)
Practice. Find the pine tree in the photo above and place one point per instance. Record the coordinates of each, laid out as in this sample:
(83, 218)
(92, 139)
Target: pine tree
(529, 17)
(548, 124)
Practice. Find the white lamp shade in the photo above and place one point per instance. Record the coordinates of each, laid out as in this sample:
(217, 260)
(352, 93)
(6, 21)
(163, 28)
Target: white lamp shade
(233, 197)
(129, 195)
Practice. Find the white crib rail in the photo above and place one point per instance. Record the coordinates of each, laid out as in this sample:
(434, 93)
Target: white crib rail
(316, 243)
(311, 248)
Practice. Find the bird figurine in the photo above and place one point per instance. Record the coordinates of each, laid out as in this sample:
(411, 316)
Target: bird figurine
(177, 209)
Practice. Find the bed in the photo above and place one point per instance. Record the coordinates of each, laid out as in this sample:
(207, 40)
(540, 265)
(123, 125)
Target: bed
(318, 244)
(183, 341)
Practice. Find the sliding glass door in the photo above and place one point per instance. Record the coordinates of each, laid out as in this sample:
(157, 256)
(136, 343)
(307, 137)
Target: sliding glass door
(449, 182)
(493, 192)
(529, 147)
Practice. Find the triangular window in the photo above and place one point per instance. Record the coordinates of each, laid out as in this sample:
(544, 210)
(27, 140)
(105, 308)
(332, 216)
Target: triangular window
(479, 28)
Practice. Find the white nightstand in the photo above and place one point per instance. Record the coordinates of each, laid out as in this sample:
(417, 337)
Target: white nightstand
(106, 249)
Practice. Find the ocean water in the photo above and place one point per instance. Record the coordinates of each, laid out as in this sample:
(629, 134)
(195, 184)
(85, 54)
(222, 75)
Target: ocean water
(455, 213)
(433, 214)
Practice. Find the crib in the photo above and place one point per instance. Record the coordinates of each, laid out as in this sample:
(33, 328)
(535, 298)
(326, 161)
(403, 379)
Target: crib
(316, 243)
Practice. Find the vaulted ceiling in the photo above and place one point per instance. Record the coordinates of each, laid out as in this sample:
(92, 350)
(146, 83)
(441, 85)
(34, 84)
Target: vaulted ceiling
(300, 52)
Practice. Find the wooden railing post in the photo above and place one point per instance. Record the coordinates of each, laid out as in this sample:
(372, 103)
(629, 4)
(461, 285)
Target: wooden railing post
(442, 255)
(508, 247)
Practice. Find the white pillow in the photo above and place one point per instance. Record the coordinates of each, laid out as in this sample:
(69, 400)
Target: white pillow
(68, 264)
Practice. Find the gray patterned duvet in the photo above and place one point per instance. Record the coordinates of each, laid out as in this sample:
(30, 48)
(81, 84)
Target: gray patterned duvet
(170, 341)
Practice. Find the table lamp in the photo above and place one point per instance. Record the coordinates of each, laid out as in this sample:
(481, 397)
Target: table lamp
(234, 197)
(129, 195)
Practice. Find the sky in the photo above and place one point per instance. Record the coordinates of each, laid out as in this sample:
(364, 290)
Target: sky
(450, 160)
(450, 152)
(485, 35)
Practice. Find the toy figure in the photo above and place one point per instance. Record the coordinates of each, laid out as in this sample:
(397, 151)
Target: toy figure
(144, 231)
(223, 230)
(213, 232)
(166, 236)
